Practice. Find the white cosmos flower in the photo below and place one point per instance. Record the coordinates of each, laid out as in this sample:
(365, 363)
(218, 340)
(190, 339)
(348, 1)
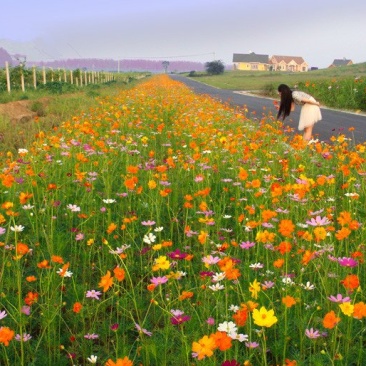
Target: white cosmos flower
(149, 238)
(17, 228)
(216, 287)
(92, 359)
(73, 208)
(109, 200)
(217, 277)
(158, 229)
(228, 327)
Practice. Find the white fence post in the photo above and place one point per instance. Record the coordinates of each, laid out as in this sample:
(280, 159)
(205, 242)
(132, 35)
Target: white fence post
(44, 74)
(34, 78)
(7, 75)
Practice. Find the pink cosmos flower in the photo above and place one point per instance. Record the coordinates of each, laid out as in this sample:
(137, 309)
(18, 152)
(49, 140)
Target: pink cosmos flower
(347, 262)
(312, 333)
(339, 298)
(142, 330)
(159, 280)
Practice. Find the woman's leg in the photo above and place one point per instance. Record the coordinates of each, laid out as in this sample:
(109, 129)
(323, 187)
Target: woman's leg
(307, 133)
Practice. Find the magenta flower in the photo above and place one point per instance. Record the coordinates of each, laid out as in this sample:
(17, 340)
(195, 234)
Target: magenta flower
(114, 327)
(159, 280)
(177, 254)
(230, 363)
(210, 321)
(347, 262)
(179, 318)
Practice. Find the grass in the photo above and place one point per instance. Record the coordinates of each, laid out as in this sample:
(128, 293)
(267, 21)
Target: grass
(161, 227)
(260, 80)
(341, 87)
(58, 108)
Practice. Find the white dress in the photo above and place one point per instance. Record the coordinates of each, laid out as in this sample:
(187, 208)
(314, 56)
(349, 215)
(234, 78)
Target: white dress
(310, 113)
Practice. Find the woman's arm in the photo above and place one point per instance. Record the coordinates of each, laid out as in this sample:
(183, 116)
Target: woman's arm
(309, 101)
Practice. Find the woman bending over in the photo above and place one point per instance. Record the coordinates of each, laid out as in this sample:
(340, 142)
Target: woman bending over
(310, 111)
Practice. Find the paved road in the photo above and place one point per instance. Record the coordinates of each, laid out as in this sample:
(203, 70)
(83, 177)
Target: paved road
(333, 123)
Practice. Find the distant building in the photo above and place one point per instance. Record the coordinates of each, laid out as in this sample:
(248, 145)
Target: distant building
(250, 61)
(288, 63)
(341, 62)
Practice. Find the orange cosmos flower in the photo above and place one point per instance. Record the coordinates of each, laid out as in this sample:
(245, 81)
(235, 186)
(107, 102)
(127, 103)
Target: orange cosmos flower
(22, 249)
(286, 227)
(330, 320)
(241, 316)
(44, 264)
(307, 257)
(202, 237)
(64, 269)
(106, 281)
(343, 233)
(119, 273)
(185, 295)
(31, 298)
(344, 218)
(222, 340)
(288, 301)
(77, 307)
(57, 259)
(351, 282)
(24, 197)
(278, 263)
(132, 169)
(111, 227)
(204, 347)
(268, 215)
(284, 247)
(359, 310)
(130, 183)
(120, 362)
(6, 335)
(243, 174)
(31, 278)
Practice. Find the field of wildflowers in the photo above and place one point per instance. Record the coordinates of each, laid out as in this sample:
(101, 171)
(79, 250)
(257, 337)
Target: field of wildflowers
(166, 228)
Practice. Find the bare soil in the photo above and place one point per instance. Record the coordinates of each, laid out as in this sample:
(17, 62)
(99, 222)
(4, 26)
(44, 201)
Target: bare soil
(21, 110)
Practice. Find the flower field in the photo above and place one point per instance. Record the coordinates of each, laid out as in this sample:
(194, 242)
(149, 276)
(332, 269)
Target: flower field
(166, 228)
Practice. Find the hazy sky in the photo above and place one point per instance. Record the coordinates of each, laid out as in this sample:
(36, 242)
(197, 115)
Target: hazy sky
(194, 30)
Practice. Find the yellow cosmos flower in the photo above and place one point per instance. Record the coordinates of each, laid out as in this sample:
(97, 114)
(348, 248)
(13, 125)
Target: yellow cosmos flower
(264, 317)
(254, 288)
(161, 263)
(347, 308)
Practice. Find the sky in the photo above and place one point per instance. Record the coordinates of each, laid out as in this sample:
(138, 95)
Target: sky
(189, 30)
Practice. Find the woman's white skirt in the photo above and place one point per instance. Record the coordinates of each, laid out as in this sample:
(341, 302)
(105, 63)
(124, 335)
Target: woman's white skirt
(309, 115)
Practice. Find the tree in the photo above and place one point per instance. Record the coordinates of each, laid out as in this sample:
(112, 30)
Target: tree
(215, 67)
(165, 65)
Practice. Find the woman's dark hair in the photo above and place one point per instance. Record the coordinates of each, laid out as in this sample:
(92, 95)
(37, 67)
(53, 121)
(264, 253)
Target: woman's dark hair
(286, 101)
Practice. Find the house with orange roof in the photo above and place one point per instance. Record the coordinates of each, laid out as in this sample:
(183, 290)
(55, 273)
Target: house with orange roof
(288, 63)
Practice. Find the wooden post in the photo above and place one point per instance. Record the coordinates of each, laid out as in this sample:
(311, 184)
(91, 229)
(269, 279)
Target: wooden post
(77, 81)
(65, 77)
(34, 78)
(22, 79)
(71, 77)
(59, 74)
(85, 78)
(7, 75)
(44, 75)
(81, 78)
